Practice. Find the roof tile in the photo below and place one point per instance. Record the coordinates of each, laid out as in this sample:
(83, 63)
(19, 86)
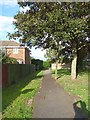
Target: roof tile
(9, 43)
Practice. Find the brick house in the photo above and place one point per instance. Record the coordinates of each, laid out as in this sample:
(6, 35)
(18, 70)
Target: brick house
(16, 50)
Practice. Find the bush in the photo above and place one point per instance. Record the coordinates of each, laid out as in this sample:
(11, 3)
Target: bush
(46, 64)
(38, 64)
(9, 60)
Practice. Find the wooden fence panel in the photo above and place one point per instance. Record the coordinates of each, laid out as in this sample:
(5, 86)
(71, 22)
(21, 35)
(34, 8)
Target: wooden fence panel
(11, 73)
(4, 75)
(0, 75)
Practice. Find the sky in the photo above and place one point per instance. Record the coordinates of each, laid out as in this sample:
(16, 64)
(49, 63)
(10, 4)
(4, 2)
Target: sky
(9, 8)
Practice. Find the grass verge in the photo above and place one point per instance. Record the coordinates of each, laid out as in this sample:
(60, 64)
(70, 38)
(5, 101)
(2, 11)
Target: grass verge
(77, 87)
(17, 98)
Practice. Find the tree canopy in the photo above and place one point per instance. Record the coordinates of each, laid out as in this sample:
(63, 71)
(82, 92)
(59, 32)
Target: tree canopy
(46, 24)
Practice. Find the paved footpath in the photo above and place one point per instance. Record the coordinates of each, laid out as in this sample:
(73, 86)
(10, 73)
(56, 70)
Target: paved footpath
(52, 101)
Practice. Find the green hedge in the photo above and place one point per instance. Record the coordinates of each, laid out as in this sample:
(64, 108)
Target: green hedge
(38, 64)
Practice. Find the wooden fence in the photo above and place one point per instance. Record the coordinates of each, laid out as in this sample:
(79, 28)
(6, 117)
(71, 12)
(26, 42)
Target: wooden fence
(0, 75)
(11, 73)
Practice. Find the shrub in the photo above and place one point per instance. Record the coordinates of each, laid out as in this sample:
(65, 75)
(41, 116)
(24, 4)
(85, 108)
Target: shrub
(38, 64)
(46, 64)
(9, 60)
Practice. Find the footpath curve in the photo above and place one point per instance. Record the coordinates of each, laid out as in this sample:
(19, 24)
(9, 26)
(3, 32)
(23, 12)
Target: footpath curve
(52, 101)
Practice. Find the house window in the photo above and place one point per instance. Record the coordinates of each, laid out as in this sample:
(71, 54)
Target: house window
(15, 51)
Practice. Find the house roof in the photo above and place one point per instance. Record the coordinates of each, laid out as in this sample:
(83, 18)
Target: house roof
(9, 43)
(12, 44)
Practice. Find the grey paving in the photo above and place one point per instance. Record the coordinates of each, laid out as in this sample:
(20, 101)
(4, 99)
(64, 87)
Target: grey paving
(52, 101)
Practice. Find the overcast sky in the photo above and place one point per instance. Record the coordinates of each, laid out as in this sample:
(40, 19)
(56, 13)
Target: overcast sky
(8, 8)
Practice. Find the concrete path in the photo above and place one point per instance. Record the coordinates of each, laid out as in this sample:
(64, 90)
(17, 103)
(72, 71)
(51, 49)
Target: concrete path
(52, 101)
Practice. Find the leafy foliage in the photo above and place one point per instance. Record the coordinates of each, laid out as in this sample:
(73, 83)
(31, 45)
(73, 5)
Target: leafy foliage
(9, 60)
(6, 59)
(38, 64)
(51, 54)
(47, 24)
(46, 64)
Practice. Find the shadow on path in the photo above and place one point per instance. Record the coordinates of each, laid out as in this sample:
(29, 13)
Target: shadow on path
(79, 110)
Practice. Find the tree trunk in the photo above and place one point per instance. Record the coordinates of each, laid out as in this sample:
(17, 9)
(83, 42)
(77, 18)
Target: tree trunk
(56, 70)
(74, 65)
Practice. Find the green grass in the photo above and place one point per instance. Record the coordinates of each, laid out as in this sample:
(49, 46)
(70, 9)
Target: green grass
(0, 98)
(16, 98)
(77, 87)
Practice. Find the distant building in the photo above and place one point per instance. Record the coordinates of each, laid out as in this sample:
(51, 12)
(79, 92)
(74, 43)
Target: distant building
(60, 66)
(16, 50)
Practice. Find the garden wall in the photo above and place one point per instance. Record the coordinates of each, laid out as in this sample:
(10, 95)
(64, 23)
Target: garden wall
(11, 73)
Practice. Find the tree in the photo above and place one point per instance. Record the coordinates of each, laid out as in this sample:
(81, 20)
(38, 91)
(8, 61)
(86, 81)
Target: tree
(1, 54)
(38, 64)
(9, 60)
(6, 59)
(47, 24)
(51, 55)
(46, 64)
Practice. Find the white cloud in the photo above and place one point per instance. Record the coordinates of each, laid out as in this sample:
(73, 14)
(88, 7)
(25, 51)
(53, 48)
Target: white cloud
(8, 2)
(24, 9)
(38, 53)
(6, 25)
